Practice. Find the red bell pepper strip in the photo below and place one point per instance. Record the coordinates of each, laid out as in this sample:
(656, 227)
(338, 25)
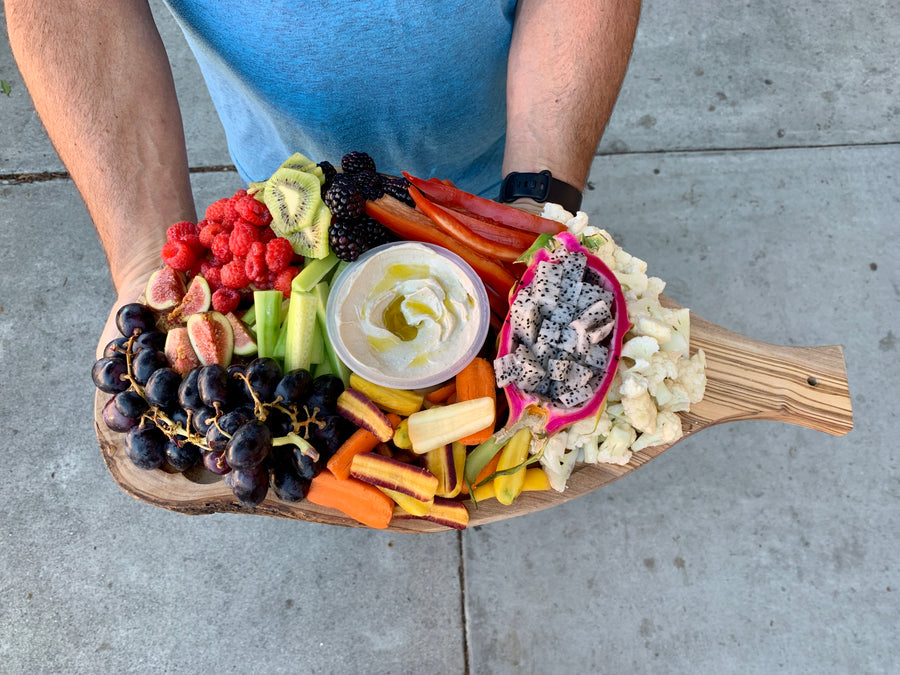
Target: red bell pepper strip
(491, 229)
(452, 225)
(412, 225)
(446, 195)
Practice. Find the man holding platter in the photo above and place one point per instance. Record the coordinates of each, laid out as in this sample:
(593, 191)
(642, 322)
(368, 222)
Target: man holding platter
(467, 90)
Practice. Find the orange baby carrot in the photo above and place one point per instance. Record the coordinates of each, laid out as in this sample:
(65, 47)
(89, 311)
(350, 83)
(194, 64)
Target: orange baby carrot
(363, 502)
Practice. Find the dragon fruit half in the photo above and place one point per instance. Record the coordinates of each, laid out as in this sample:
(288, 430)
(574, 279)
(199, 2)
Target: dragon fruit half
(559, 346)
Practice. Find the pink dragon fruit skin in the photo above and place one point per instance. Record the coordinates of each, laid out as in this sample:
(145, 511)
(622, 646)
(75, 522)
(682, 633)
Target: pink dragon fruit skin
(559, 418)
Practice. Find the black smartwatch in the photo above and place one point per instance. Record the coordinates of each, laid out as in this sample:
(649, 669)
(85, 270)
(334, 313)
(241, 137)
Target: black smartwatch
(541, 187)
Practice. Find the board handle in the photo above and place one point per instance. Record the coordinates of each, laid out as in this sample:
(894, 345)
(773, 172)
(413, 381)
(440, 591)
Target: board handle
(753, 380)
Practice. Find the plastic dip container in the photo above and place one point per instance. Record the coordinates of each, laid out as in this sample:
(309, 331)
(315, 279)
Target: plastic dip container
(407, 315)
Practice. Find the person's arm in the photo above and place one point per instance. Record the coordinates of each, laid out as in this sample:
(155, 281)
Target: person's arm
(566, 64)
(100, 80)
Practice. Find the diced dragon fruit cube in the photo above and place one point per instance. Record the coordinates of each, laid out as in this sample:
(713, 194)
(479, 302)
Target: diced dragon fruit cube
(578, 375)
(597, 357)
(573, 397)
(557, 369)
(506, 369)
(588, 296)
(569, 293)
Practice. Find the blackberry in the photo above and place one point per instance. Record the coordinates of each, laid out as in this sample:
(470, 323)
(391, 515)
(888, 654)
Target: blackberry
(369, 184)
(398, 188)
(346, 240)
(350, 240)
(344, 199)
(329, 172)
(355, 162)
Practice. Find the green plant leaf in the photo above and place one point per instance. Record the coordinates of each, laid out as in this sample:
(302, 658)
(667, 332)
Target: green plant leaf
(4, 87)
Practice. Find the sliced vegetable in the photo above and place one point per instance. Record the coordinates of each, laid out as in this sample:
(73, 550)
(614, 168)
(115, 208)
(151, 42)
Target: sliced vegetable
(397, 401)
(452, 225)
(508, 487)
(476, 380)
(407, 223)
(432, 428)
(491, 229)
(301, 331)
(360, 440)
(337, 366)
(411, 505)
(447, 195)
(356, 407)
(478, 461)
(446, 512)
(441, 394)
(385, 472)
(312, 273)
(440, 463)
(536, 480)
(363, 502)
(267, 306)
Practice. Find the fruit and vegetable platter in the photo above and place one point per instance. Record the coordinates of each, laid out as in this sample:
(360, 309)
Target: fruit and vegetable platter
(343, 346)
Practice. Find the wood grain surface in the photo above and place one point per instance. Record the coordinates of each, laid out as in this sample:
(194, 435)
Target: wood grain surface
(746, 380)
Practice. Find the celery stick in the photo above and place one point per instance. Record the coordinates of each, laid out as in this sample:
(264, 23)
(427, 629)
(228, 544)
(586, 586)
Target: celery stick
(301, 323)
(278, 353)
(337, 366)
(268, 320)
(323, 368)
(249, 317)
(317, 350)
(313, 273)
(341, 266)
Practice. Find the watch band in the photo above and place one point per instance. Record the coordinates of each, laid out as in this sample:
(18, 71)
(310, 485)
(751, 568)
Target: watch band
(541, 187)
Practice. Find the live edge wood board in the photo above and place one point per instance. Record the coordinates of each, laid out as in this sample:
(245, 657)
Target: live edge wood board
(746, 380)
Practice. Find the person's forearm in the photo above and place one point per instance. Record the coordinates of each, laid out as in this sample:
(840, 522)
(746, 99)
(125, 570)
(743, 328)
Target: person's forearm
(566, 65)
(101, 82)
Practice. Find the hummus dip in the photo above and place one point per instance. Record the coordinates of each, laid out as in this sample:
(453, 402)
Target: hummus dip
(407, 315)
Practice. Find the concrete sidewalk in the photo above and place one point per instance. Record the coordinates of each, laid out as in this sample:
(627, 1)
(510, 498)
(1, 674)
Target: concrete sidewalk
(752, 161)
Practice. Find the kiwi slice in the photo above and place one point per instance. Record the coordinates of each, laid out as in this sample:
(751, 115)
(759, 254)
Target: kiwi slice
(301, 162)
(292, 197)
(312, 242)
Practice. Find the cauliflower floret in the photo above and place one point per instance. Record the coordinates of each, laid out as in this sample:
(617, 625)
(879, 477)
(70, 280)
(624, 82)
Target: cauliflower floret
(668, 430)
(641, 349)
(615, 448)
(652, 327)
(641, 411)
(692, 376)
(558, 463)
(556, 212)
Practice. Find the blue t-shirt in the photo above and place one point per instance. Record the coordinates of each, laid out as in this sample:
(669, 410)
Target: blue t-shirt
(420, 86)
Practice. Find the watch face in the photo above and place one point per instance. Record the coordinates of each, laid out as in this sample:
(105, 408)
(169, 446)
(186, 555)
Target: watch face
(533, 185)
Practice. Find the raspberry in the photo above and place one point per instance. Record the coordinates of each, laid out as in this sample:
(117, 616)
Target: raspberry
(233, 274)
(196, 245)
(212, 274)
(253, 211)
(241, 237)
(215, 212)
(257, 248)
(178, 231)
(255, 267)
(178, 255)
(209, 232)
(230, 215)
(266, 234)
(279, 254)
(238, 195)
(220, 247)
(225, 300)
(283, 280)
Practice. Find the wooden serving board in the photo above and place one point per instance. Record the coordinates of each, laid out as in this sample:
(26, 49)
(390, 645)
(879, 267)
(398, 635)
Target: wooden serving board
(746, 380)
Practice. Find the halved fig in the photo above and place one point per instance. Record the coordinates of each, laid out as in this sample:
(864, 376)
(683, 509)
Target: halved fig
(198, 298)
(244, 342)
(179, 351)
(211, 337)
(165, 289)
